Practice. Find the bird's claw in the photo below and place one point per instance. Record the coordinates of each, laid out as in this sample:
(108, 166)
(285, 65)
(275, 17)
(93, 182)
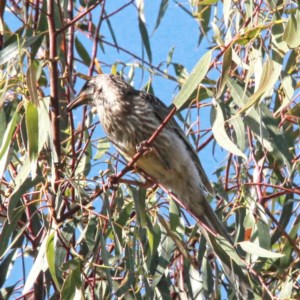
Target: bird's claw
(112, 182)
(143, 147)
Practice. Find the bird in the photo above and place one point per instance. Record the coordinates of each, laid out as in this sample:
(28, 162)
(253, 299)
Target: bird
(129, 117)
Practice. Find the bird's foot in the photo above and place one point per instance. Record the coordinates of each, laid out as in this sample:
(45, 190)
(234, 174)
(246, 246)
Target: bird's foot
(112, 182)
(143, 147)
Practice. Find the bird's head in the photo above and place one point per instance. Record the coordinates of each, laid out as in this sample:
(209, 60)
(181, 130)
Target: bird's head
(108, 88)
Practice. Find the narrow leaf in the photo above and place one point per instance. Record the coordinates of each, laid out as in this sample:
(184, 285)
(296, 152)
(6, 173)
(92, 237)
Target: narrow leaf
(270, 74)
(162, 10)
(31, 84)
(23, 184)
(82, 52)
(50, 255)
(36, 268)
(13, 49)
(71, 284)
(226, 66)
(195, 78)
(291, 33)
(220, 134)
(252, 248)
(32, 126)
(143, 29)
(8, 133)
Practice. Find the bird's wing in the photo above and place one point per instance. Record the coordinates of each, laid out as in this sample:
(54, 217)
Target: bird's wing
(161, 111)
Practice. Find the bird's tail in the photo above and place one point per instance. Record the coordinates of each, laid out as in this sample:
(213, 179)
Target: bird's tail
(235, 268)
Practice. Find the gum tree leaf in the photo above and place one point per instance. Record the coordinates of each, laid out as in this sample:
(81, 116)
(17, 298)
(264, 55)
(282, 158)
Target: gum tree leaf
(31, 84)
(37, 267)
(32, 126)
(193, 81)
(270, 74)
(252, 248)
(143, 29)
(13, 49)
(8, 133)
(82, 52)
(291, 33)
(50, 255)
(162, 10)
(220, 134)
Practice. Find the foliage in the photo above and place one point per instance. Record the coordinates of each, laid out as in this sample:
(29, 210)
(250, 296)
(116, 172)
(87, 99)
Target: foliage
(83, 232)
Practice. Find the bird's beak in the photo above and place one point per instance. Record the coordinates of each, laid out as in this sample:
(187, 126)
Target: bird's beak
(84, 97)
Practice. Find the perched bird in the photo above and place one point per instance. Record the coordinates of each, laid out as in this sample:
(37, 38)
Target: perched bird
(129, 117)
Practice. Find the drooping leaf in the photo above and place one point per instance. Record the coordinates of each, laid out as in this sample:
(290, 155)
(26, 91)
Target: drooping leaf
(13, 49)
(143, 29)
(291, 32)
(31, 84)
(50, 255)
(162, 10)
(71, 283)
(38, 266)
(6, 140)
(270, 74)
(220, 134)
(193, 81)
(253, 248)
(85, 56)
(32, 126)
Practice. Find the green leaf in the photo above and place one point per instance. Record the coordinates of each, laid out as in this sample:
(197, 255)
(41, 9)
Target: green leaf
(193, 81)
(8, 133)
(279, 141)
(139, 197)
(252, 119)
(23, 184)
(234, 267)
(82, 52)
(90, 232)
(285, 216)
(226, 67)
(105, 258)
(37, 267)
(7, 230)
(254, 249)
(111, 33)
(13, 49)
(71, 284)
(220, 134)
(102, 147)
(44, 123)
(165, 252)
(50, 255)
(291, 33)
(84, 165)
(128, 280)
(32, 126)
(153, 235)
(263, 231)
(270, 74)
(193, 279)
(162, 10)
(143, 29)
(207, 275)
(240, 132)
(31, 84)
(5, 265)
(287, 288)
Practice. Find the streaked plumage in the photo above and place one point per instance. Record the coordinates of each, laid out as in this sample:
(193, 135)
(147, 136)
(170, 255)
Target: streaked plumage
(130, 117)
